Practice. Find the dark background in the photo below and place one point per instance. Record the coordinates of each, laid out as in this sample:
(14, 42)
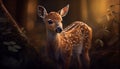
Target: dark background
(102, 15)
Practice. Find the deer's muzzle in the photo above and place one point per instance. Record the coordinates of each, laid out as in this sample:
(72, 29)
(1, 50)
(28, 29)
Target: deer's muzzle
(58, 30)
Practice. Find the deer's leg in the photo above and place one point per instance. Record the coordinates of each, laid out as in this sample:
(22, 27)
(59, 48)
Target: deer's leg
(59, 66)
(67, 63)
(85, 60)
(64, 65)
(79, 64)
(86, 46)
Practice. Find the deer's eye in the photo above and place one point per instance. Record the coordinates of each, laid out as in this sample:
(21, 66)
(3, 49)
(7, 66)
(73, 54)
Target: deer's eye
(50, 21)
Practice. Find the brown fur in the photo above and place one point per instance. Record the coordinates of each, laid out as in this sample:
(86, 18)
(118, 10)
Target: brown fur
(74, 40)
(56, 19)
(71, 46)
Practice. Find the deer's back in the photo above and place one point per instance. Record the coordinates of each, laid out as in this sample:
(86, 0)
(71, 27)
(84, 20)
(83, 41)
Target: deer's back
(72, 37)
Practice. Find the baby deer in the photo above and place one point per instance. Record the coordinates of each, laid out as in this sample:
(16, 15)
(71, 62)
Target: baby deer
(67, 46)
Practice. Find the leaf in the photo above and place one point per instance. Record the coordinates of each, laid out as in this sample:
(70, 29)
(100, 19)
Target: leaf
(6, 43)
(17, 46)
(12, 42)
(99, 42)
(12, 49)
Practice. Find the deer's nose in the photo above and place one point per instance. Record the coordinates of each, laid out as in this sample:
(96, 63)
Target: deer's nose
(58, 30)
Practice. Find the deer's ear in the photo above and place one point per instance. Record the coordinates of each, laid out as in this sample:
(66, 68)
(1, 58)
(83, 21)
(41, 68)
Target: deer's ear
(64, 11)
(42, 11)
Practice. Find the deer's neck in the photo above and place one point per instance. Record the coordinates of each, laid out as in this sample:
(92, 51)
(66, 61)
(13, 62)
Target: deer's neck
(52, 44)
(52, 38)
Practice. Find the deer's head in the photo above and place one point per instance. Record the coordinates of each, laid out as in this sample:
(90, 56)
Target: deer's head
(53, 20)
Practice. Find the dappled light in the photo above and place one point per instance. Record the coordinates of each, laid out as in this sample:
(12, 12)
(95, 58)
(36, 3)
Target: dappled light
(23, 34)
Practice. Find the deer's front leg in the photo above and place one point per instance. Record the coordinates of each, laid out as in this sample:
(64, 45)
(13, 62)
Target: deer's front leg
(66, 63)
(63, 65)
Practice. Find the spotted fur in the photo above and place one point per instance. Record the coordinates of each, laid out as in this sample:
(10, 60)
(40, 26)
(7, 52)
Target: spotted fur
(73, 43)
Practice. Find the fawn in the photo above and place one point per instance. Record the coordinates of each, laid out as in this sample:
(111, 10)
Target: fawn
(65, 45)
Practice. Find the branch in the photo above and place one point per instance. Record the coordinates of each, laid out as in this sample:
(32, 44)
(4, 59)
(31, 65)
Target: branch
(8, 15)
